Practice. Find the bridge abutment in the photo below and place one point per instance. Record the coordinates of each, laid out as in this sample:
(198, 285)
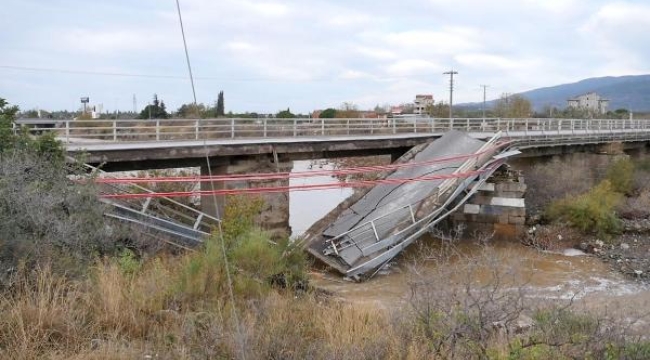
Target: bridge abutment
(274, 215)
(497, 208)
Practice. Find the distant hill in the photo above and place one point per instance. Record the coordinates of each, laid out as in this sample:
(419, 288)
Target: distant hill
(631, 92)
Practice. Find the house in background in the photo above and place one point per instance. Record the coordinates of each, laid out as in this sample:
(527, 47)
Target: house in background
(591, 102)
(421, 103)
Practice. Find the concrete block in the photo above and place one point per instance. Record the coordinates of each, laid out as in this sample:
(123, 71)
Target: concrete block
(480, 200)
(510, 186)
(493, 210)
(504, 218)
(486, 218)
(509, 194)
(471, 209)
(517, 220)
(458, 216)
(517, 212)
(499, 201)
(486, 187)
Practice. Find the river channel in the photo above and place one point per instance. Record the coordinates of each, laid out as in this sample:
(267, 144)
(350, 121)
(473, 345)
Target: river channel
(564, 274)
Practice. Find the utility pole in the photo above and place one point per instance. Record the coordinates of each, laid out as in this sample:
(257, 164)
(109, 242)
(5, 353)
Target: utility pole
(484, 93)
(451, 74)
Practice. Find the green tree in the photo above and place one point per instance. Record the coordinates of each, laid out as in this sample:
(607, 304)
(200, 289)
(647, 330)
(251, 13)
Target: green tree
(328, 113)
(157, 110)
(7, 116)
(285, 114)
(621, 175)
(439, 110)
(191, 111)
(513, 106)
(220, 108)
(348, 110)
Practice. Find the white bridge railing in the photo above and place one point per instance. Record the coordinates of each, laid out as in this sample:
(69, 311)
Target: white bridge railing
(184, 129)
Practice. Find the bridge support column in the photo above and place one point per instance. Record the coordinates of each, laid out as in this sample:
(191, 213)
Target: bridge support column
(497, 208)
(213, 205)
(274, 216)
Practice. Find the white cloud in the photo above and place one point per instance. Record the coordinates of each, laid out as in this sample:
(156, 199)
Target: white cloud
(241, 47)
(449, 40)
(412, 67)
(493, 61)
(618, 33)
(377, 53)
(269, 9)
(304, 51)
(114, 42)
(354, 74)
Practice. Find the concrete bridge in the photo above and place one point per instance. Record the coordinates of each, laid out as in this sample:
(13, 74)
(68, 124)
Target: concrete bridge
(233, 146)
(146, 144)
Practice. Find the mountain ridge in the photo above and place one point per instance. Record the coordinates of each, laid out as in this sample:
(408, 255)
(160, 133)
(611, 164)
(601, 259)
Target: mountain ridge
(629, 92)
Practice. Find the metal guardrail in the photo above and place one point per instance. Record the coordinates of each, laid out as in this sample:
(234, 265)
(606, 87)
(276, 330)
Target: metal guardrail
(184, 129)
(368, 230)
(375, 253)
(167, 215)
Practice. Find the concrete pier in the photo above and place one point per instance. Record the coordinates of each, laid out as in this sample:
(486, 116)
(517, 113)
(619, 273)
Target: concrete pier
(274, 216)
(497, 208)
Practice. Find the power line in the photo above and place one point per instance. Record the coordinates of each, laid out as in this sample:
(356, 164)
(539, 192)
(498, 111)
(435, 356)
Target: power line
(307, 187)
(286, 175)
(418, 76)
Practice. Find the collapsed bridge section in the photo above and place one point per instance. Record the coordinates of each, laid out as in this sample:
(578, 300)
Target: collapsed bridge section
(407, 203)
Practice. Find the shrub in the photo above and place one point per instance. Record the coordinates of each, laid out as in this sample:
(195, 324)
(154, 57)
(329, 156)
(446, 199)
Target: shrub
(44, 215)
(621, 175)
(558, 179)
(591, 212)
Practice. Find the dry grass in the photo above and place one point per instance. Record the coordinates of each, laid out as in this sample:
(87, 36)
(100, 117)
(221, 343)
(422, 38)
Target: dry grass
(115, 315)
(118, 314)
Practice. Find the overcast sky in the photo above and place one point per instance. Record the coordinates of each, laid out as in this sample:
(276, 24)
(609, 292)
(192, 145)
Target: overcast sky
(309, 54)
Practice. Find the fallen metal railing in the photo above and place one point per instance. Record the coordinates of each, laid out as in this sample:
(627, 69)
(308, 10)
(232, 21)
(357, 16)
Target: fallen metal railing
(166, 216)
(362, 249)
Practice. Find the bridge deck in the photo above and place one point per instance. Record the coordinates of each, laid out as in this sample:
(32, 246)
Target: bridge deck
(391, 216)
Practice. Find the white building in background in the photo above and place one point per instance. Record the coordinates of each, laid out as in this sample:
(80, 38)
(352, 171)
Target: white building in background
(97, 111)
(421, 103)
(591, 102)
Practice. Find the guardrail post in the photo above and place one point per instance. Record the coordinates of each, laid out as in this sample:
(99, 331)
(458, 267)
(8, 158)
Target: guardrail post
(322, 127)
(348, 125)
(372, 126)
(196, 130)
(394, 121)
(114, 130)
(67, 131)
(232, 128)
(265, 122)
(157, 130)
(415, 125)
(433, 125)
(295, 125)
(451, 123)
(526, 126)
(468, 125)
(498, 125)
